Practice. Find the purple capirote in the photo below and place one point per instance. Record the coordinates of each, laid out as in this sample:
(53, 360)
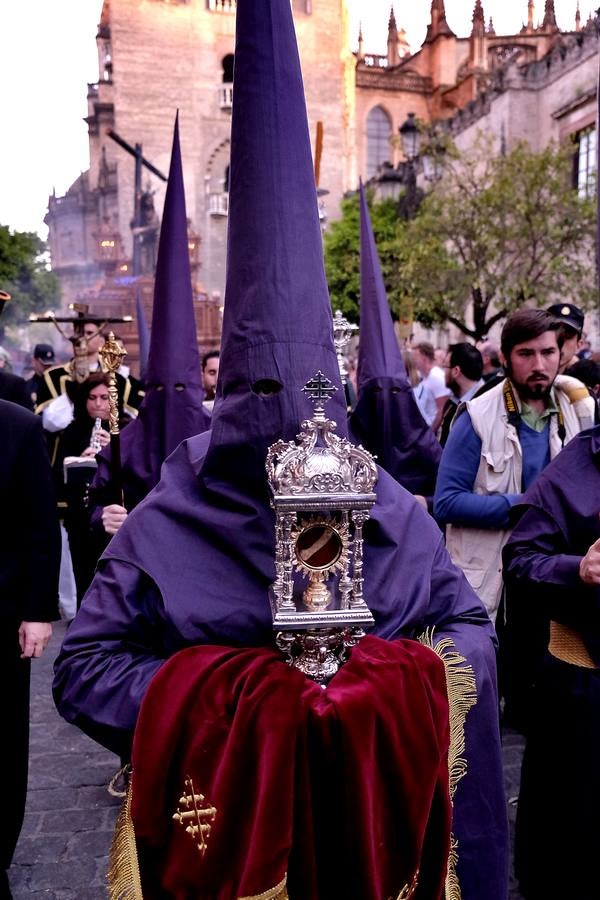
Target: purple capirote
(172, 407)
(386, 419)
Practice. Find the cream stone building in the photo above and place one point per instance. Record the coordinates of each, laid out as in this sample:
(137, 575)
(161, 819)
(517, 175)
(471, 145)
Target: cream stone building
(160, 56)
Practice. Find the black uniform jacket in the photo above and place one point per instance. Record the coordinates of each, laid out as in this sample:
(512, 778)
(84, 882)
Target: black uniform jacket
(30, 544)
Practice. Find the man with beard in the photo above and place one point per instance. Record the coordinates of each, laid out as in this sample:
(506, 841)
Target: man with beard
(498, 445)
(463, 368)
(210, 374)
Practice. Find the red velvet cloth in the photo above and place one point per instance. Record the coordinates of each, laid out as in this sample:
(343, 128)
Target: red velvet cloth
(343, 789)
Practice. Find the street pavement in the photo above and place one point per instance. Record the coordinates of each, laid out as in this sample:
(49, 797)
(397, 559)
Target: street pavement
(63, 849)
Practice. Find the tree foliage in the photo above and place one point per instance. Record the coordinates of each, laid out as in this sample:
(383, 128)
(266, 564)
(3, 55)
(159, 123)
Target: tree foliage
(24, 274)
(494, 233)
(342, 257)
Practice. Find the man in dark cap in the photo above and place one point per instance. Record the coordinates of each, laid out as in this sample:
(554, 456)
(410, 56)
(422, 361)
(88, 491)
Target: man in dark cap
(572, 320)
(553, 557)
(42, 359)
(193, 565)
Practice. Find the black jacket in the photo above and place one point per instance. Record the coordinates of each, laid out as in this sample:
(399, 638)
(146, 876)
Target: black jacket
(14, 388)
(30, 544)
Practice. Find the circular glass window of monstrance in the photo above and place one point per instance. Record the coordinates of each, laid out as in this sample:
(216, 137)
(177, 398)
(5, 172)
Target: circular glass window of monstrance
(319, 547)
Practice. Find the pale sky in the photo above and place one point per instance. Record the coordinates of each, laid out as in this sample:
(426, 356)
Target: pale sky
(49, 55)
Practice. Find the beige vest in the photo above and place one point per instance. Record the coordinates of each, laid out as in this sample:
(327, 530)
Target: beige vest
(478, 551)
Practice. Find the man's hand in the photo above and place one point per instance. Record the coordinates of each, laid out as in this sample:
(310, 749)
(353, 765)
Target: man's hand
(589, 567)
(33, 638)
(113, 517)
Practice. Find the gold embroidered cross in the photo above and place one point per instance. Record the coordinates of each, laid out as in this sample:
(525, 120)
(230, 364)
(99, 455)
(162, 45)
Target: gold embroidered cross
(193, 813)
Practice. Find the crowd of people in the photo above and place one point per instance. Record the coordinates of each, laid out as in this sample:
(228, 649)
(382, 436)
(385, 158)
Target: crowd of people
(479, 564)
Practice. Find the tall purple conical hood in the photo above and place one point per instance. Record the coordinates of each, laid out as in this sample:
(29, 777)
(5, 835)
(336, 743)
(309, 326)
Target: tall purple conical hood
(173, 357)
(378, 352)
(172, 408)
(277, 323)
(386, 418)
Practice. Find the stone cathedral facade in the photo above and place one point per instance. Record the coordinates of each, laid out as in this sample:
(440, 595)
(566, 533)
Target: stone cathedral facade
(159, 56)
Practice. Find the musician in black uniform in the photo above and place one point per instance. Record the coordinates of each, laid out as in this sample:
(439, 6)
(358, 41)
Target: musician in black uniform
(87, 341)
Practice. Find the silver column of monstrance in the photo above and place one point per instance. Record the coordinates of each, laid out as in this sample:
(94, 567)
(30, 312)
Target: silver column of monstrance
(322, 493)
(343, 330)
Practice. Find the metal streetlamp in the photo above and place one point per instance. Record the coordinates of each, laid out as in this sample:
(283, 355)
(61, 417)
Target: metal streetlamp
(411, 137)
(433, 165)
(399, 183)
(432, 156)
(387, 183)
(411, 144)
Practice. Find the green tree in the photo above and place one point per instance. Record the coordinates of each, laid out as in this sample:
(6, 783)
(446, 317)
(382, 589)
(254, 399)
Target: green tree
(342, 257)
(25, 275)
(494, 233)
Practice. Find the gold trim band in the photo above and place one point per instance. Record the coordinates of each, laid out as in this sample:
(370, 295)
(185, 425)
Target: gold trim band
(567, 645)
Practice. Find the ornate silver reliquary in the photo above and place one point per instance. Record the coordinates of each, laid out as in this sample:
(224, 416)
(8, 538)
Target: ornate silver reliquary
(322, 492)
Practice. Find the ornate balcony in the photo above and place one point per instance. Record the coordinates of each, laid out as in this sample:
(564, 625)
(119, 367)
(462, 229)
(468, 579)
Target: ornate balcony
(218, 204)
(225, 96)
(223, 6)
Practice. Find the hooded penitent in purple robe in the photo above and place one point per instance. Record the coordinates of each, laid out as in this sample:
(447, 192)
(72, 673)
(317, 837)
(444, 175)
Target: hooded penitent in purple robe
(194, 561)
(386, 419)
(558, 829)
(172, 408)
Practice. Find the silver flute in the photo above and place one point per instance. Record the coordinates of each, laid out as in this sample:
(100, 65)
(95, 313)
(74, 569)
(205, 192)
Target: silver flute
(95, 438)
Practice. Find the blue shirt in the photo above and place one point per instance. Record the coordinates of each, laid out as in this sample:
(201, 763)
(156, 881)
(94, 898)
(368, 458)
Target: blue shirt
(454, 499)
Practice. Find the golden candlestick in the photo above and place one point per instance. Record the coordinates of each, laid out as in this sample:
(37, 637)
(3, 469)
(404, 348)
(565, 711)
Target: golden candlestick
(111, 356)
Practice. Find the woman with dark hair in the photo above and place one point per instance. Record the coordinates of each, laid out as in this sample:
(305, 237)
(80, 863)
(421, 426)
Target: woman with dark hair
(86, 435)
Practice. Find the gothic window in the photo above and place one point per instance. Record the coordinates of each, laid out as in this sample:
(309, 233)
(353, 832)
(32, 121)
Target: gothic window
(225, 6)
(379, 130)
(227, 63)
(585, 162)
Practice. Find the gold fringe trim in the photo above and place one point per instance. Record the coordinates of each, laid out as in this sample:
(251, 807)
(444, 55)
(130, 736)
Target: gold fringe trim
(279, 892)
(409, 889)
(462, 696)
(452, 887)
(120, 777)
(124, 882)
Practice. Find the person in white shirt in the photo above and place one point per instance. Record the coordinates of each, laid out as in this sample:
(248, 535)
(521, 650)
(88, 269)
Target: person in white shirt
(433, 378)
(423, 396)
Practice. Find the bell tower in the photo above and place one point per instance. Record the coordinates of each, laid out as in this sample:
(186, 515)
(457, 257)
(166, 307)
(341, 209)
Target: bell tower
(159, 56)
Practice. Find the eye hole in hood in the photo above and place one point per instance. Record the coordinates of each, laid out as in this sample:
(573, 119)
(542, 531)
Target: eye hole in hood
(265, 387)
